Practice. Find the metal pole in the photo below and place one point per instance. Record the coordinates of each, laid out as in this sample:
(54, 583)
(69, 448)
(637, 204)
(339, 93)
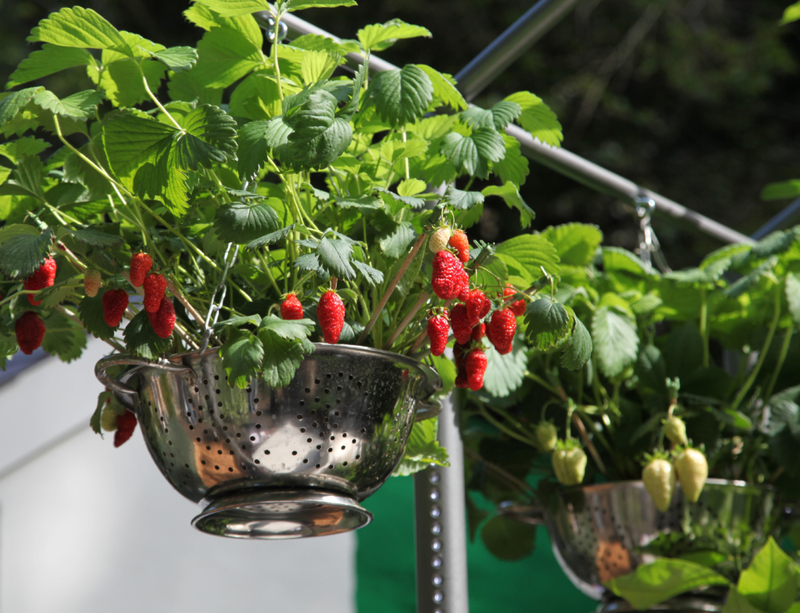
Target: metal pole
(561, 160)
(776, 222)
(512, 43)
(598, 178)
(441, 527)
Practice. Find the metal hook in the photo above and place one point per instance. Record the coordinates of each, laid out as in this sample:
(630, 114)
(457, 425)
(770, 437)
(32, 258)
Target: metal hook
(649, 247)
(267, 22)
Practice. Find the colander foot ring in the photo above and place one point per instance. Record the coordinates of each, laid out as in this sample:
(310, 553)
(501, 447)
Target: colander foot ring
(281, 514)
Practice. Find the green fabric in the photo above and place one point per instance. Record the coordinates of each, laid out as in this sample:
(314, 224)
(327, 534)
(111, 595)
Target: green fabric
(386, 579)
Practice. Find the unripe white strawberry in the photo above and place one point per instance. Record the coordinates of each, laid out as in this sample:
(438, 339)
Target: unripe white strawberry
(547, 435)
(692, 470)
(659, 481)
(569, 463)
(439, 239)
(675, 430)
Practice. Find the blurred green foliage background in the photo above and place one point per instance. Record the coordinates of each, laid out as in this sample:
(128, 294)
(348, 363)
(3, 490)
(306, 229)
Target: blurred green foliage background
(695, 99)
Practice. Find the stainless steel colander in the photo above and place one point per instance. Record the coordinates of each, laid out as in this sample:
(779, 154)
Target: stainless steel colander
(601, 532)
(277, 463)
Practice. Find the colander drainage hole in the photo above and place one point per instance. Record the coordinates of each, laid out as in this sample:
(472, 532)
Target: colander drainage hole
(257, 461)
(196, 389)
(203, 462)
(266, 452)
(316, 399)
(252, 438)
(305, 461)
(244, 446)
(314, 424)
(343, 447)
(230, 470)
(256, 400)
(219, 404)
(327, 390)
(338, 388)
(333, 438)
(217, 392)
(302, 403)
(219, 451)
(258, 426)
(294, 453)
(198, 439)
(302, 429)
(308, 440)
(186, 465)
(316, 381)
(308, 390)
(258, 413)
(330, 467)
(344, 463)
(216, 377)
(330, 449)
(191, 427)
(344, 434)
(354, 441)
(319, 446)
(208, 447)
(238, 435)
(216, 467)
(317, 465)
(358, 457)
(299, 417)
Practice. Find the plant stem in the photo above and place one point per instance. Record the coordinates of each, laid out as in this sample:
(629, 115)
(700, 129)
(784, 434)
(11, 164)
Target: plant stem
(154, 99)
(390, 289)
(508, 477)
(274, 55)
(502, 427)
(787, 340)
(763, 354)
(407, 319)
(704, 333)
(186, 304)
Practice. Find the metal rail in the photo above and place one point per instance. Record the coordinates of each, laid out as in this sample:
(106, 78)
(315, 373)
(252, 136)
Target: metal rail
(562, 161)
(492, 61)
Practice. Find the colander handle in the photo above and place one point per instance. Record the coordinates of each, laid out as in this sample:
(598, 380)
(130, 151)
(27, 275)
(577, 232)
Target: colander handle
(427, 409)
(532, 514)
(100, 371)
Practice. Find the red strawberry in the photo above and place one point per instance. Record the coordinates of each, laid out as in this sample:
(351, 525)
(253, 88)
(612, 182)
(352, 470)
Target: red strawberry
(447, 275)
(291, 308)
(460, 356)
(141, 263)
(44, 276)
(115, 301)
(91, 282)
(501, 330)
(126, 424)
(460, 243)
(478, 306)
(478, 332)
(155, 286)
(476, 367)
(459, 320)
(30, 332)
(518, 307)
(438, 332)
(330, 313)
(461, 379)
(163, 320)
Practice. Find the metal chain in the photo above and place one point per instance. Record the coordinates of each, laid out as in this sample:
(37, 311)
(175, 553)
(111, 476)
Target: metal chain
(649, 248)
(214, 308)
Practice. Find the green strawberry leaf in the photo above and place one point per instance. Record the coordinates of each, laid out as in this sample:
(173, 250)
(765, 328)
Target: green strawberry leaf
(241, 357)
(225, 56)
(401, 95)
(444, 88)
(90, 310)
(80, 106)
(94, 421)
(299, 5)
(26, 146)
(254, 147)
(505, 373)
(141, 340)
(63, 337)
(242, 223)
(23, 249)
(422, 449)
(513, 167)
(335, 256)
(782, 190)
(318, 65)
(282, 357)
(616, 342)
(462, 200)
(272, 237)
(15, 102)
(576, 243)
(547, 322)
(510, 193)
(210, 136)
(473, 154)
(411, 187)
(537, 118)
(396, 242)
(377, 37)
(508, 539)
(123, 83)
(287, 329)
(526, 255)
(371, 275)
(658, 581)
(234, 8)
(94, 236)
(46, 61)
(578, 348)
(320, 151)
(177, 59)
(770, 582)
(80, 27)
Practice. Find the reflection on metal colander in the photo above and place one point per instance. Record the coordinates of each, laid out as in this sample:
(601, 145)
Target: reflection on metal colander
(279, 463)
(600, 532)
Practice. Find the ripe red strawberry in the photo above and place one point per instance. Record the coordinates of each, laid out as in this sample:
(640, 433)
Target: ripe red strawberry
(460, 357)
(115, 301)
(476, 368)
(478, 306)
(126, 424)
(438, 332)
(163, 320)
(478, 332)
(291, 308)
(30, 332)
(518, 307)
(447, 275)
(330, 313)
(460, 243)
(459, 320)
(438, 240)
(91, 282)
(44, 276)
(501, 330)
(155, 286)
(141, 263)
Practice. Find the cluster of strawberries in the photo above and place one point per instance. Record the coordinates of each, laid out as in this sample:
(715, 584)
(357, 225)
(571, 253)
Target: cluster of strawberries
(30, 328)
(469, 317)
(159, 308)
(330, 313)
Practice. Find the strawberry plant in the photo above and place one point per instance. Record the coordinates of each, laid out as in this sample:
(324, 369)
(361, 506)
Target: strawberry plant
(243, 183)
(692, 368)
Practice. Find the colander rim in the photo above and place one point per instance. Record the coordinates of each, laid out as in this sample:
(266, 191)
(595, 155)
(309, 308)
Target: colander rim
(638, 483)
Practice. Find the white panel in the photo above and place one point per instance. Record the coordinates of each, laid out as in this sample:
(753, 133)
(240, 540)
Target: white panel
(87, 528)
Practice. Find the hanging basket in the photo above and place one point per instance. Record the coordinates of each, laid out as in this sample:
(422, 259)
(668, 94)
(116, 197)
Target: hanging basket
(601, 532)
(277, 463)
